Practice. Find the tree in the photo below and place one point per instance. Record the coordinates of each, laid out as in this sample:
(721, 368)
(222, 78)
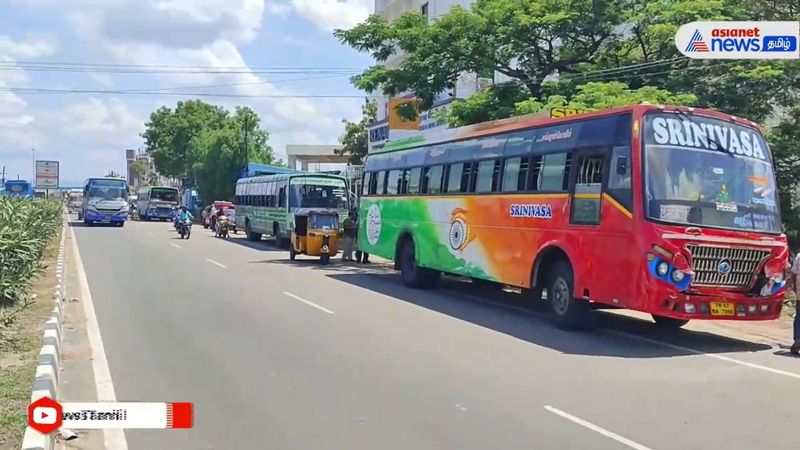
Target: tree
(207, 143)
(169, 133)
(221, 153)
(355, 139)
(527, 40)
(140, 168)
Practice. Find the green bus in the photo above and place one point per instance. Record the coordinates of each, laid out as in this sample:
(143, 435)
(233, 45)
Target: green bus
(264, 204)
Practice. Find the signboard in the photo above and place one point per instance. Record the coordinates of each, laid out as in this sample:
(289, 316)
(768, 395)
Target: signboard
(396, 121)
(566, 112)
(47, 174)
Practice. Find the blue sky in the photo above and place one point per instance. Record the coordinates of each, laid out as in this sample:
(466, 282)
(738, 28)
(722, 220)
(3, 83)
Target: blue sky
(89, 132)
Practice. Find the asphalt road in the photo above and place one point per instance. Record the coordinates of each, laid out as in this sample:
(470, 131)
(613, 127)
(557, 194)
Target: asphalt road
(290, 355)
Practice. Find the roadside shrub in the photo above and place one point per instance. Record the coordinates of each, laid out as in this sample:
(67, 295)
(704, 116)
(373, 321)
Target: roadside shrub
(26, 228)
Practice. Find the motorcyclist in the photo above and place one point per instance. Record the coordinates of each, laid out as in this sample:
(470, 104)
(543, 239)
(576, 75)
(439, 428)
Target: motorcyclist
(220, 216)
(185, 215)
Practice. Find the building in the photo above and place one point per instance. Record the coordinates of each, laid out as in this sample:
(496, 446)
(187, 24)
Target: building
(150, 177)
(385, 127)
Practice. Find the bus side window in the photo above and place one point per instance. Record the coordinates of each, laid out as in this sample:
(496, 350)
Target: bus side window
(365, 183)
(515, 173)
(381, 183)
(393, 182)
(432, 180)
(282, 197)
(486, 176)
(402, 186)
(554, 174)
(455, 173)
(467, 177)
(414, 180)
(619, 176)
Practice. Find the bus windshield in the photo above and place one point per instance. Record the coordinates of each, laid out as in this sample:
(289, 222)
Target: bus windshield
(707, 172)
(317, 193)
(164, 194)
(108, 190)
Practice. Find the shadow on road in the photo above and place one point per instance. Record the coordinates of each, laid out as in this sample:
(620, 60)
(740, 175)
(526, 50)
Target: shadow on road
(501, 312)
(312, 262)
(263, 244)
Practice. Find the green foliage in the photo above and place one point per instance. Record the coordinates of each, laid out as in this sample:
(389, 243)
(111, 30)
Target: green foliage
(208, 143)
(524, 39)
(26, 227)
(355, 139)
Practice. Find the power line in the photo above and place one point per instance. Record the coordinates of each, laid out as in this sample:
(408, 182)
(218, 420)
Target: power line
(252, 83)
(162, 66)
(19, 90)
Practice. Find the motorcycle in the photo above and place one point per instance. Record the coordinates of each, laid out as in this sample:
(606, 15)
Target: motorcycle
(185, 229)
(222, 226)
(175, 221)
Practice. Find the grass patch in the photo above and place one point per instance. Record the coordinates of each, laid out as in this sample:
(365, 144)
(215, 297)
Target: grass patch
(19, 350)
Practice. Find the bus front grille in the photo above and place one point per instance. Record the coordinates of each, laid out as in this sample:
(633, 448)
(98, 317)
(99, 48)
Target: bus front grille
(725, 266)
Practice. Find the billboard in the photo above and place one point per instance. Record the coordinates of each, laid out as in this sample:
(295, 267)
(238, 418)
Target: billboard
(47, 174)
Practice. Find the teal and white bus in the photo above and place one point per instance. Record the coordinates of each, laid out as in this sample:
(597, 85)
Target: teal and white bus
(265, 204)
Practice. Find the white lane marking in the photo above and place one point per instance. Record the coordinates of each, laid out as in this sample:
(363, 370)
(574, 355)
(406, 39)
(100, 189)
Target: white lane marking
(301, 299)
(174, 245)
(597, 429)
(216, 263)
(114, 438)
(710, 355)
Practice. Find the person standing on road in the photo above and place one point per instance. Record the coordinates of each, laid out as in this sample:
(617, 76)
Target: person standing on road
(361, 256)
(795, 273)
(349, 236)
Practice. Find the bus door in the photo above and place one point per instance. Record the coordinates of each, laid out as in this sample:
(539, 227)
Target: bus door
(593, 269)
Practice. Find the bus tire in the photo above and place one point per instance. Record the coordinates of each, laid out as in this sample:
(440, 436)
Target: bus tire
(251, 236)
(669, 322)
(569, 313)
(413, 275)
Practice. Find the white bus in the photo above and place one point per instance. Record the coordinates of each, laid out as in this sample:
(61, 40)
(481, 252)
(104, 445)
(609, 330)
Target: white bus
(264, 204)
(156, 202)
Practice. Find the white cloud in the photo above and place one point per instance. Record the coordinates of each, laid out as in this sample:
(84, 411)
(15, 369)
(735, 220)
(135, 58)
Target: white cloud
(28, 48)
(278, 8)
(331, 14)
(91, 133)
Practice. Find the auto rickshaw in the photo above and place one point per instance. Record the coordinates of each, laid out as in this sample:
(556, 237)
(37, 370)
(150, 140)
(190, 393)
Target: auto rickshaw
(316, 232)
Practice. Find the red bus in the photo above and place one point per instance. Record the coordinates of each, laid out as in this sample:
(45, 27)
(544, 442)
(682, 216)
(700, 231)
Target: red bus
(672, 211)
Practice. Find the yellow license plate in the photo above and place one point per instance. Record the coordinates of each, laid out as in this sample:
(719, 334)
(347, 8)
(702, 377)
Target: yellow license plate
(722, 309)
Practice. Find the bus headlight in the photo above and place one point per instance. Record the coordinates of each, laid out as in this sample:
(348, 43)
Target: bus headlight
(662, 268)
(678, 276)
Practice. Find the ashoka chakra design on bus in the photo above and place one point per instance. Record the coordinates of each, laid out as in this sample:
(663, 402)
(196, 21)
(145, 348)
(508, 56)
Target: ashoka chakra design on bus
(373, 224)
(458, 234)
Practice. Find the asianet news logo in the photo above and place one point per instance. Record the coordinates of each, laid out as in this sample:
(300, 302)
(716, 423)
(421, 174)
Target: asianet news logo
(739, 40)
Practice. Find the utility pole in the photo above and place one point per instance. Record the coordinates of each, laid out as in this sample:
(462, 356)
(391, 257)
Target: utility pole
(244, 150)
(4, 176)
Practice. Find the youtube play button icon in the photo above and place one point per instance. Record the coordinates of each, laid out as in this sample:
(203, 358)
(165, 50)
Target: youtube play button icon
(45, 415)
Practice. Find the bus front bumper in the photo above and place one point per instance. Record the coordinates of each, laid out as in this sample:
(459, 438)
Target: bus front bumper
(95, 216)
(715, 306)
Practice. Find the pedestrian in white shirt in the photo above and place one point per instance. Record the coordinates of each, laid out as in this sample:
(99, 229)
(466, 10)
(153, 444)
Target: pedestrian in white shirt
(795, 272)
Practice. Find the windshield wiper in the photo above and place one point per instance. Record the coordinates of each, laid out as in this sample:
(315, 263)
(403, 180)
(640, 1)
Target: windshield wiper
(710, 136)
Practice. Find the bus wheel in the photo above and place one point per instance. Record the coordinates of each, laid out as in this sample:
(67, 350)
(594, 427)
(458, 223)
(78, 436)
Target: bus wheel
(251, 236)
(413, 275)
(669, 322)
(569, 313)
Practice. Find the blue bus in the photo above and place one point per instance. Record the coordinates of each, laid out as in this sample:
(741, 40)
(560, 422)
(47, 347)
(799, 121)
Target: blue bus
(18, 188)
(105, 200)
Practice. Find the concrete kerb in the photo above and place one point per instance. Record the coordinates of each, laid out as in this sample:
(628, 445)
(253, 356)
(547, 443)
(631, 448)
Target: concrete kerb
(46, 380)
